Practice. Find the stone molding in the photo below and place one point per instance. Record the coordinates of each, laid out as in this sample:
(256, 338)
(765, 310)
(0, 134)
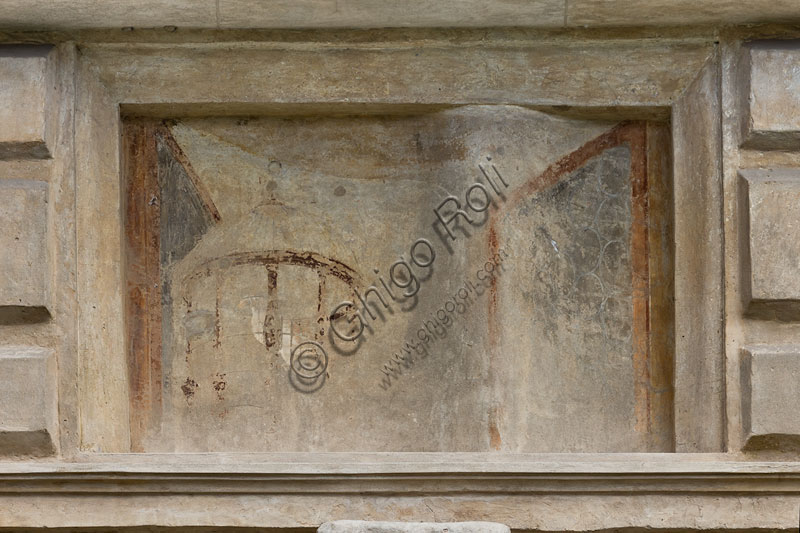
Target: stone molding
(430, 474)
(651, 79)
(233, 14)
(693, 492)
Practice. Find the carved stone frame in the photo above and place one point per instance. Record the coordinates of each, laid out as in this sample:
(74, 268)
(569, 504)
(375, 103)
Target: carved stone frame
(379, 72)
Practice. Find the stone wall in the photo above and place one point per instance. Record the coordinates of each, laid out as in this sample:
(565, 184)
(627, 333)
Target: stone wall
(183, 208)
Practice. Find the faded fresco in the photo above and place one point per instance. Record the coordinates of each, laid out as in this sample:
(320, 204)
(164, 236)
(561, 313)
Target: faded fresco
(470, 279)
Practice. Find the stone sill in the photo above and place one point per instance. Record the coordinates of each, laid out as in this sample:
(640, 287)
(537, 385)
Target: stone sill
(401, 473)
(298, 492)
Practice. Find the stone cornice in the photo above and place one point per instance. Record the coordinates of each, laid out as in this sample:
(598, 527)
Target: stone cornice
(235, 14)
(404, 474)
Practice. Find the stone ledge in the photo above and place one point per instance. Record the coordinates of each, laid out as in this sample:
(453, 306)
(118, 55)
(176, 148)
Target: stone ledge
(376, 474)
(362, 14)
(638, 510)
(645, 491)
(359, 526)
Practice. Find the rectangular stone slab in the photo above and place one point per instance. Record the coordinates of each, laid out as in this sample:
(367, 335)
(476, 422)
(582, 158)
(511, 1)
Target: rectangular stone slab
(358, 526)
(24, 262)
(28, 411)
(288, 14)
(770, 87)
(770, 201)
(771, 397)
(26, 112)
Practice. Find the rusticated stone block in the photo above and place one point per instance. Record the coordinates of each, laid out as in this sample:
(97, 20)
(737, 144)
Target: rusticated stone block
(26, 91)
(771, 205)
(771, 397)
(770, 90)
(24, 284)
(28, 410)
(357, 526)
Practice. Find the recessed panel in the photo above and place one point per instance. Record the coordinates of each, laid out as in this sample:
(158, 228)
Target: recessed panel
(474, 279)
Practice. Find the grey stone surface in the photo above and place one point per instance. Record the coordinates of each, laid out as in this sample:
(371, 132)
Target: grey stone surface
(24, 284)
(144, 80)
(771, 397)
(67, 14)
(358, 526)
(27, 401)
(678, 12)
(771, 201)
(61, 14)
(25, 89)
(699, 306)
(366, 13)
(85, 490)
(771, 95)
